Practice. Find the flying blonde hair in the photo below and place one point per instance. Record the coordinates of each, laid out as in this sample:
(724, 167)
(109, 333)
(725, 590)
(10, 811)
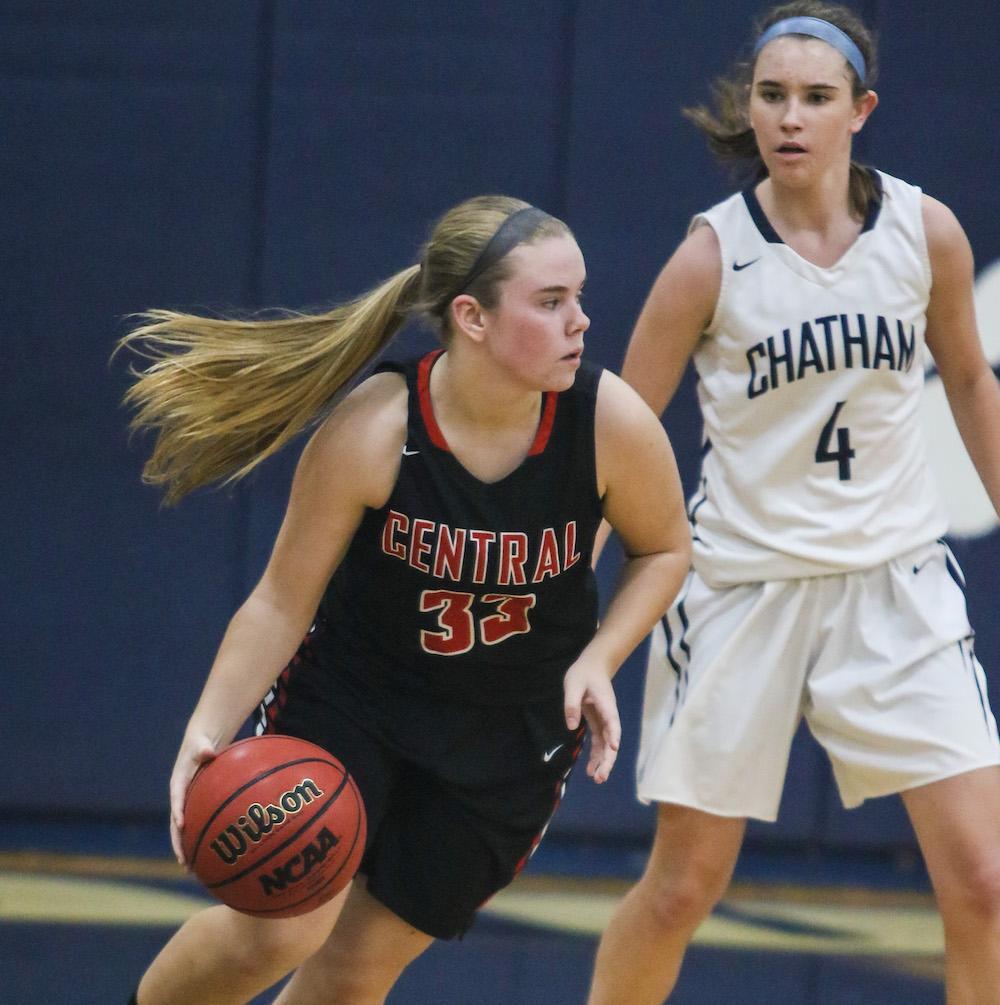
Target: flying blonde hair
(223, 394)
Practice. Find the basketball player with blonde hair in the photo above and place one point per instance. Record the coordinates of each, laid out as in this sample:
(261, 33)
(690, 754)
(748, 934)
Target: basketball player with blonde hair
(435, 555)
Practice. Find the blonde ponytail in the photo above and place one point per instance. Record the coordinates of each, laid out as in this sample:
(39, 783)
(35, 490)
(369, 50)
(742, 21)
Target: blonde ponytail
(223, 395)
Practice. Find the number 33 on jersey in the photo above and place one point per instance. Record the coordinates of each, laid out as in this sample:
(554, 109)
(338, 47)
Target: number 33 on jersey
(443, 552)
(485, 587)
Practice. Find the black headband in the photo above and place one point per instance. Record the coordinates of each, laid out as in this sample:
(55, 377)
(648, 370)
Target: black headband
(516, 229)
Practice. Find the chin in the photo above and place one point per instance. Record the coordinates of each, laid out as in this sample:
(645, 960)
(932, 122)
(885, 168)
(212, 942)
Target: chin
(562, 381)
(792, 175)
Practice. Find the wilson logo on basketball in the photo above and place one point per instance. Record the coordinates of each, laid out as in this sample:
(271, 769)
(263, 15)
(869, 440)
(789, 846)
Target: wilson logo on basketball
(259, 821)
(299, 866)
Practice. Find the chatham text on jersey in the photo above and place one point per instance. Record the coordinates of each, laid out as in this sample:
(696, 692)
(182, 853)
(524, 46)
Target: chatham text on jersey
(832, 342)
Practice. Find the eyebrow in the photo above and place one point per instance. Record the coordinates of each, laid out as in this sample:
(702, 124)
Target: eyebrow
(558, 287)
(811, 87)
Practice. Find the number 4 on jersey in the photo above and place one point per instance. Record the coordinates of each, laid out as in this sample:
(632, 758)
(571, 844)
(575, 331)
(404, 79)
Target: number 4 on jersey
(843, 454)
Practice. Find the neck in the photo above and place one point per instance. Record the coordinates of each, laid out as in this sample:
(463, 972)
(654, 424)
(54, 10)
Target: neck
(821, 207)
(466, 389)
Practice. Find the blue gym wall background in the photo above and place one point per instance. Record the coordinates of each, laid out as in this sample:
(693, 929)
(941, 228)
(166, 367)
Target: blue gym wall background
(249, 153)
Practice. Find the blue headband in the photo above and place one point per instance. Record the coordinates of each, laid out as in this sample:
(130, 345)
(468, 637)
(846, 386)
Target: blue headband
(823, 30)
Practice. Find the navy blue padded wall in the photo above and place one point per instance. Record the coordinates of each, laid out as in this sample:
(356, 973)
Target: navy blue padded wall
(377, 124)
(130, 182)
(381, 121)
(938, 76)
(256, 153)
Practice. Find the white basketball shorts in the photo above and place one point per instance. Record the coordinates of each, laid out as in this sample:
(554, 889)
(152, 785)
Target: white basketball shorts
(880, 662)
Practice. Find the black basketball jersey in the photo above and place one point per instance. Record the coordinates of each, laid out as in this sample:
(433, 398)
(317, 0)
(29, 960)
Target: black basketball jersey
(480, 592)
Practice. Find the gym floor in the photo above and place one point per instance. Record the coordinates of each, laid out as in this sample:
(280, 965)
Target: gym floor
(83, 908)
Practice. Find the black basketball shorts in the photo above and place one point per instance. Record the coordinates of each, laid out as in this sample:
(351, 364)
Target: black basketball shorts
(457, 796)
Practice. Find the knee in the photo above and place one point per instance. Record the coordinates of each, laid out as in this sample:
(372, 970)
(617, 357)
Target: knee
(276, 944)
(347, 968)
(685, 897)
(972, 897)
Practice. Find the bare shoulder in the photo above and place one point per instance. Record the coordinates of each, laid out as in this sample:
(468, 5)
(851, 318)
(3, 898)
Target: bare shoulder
(686, 291)
(628, 432)
(697, 262)
(946, 239)
(361, 441)
(619, 406)
(678, 310)
(701, 246)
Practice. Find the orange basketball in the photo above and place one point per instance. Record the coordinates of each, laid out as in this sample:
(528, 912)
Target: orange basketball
(274, 826)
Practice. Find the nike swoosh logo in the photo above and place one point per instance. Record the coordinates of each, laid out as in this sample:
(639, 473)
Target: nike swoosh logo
(409, 453)
(549, 754)
(917, 568)
(740, 266)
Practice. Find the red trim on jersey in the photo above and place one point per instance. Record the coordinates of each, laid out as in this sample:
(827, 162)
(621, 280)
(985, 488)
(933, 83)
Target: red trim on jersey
(545, 426)
(559, 793)
(424, 394)
(542, 434)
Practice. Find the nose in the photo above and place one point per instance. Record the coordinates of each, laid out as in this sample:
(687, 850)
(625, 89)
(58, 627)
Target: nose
(791, 117)
(580, 321)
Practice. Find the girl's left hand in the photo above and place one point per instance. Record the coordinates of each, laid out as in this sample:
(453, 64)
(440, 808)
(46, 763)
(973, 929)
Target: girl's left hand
(587, 690)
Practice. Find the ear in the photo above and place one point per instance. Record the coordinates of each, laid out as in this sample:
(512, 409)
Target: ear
(468, 317)
(863, 107)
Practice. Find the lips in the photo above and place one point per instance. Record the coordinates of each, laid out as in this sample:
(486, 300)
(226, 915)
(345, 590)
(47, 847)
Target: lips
(791, 148)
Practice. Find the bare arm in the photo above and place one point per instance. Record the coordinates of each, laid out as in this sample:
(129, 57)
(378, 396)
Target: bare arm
(644, 503)
(953, 339)
(678, 309)
(350, 463)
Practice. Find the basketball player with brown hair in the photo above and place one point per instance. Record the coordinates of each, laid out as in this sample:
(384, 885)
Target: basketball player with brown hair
(821, 586)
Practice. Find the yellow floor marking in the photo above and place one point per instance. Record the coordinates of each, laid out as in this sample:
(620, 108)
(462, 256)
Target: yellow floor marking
(829, 928)
(893, 926)
(90, 865)
(71, 900)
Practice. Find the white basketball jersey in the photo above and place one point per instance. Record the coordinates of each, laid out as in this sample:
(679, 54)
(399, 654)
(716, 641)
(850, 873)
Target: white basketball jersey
(809, 382)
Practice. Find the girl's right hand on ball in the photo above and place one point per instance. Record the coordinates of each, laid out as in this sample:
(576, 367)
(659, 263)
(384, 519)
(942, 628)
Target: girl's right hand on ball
(194, 752)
